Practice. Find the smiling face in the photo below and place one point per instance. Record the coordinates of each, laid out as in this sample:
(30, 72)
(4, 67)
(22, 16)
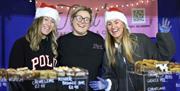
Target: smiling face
(47, 25)
(115, 28)
(81, 23)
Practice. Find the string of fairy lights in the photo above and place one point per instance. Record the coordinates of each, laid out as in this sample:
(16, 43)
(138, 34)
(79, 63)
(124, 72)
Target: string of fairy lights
(107, 6)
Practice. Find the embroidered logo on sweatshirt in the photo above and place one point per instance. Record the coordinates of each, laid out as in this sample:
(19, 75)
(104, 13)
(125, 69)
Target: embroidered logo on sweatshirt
(97, 46)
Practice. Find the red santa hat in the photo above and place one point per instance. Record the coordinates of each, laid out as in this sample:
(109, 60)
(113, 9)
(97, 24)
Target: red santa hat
(115, 13)
(47, 10)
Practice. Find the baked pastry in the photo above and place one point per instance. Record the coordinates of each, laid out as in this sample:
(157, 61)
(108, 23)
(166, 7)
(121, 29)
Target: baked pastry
(35, 74)
(22, 69)
(65, 68)
(174, 67)
(3, 73)
(60, 71)
(150, 61)
(176, 70)
(70, 72)
(21, 74)
(31, 74)
(52, 74)
(12, 74)
(145, 65)
(78, 71)
(43, 74)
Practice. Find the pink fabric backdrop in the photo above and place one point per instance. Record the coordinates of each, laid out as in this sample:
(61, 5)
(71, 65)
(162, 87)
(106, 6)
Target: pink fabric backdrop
(141, 14)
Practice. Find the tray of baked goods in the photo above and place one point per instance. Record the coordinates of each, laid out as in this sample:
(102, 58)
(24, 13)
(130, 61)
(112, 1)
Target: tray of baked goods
(24, 73)
(67, 78)
(149, 65)
(154, 75)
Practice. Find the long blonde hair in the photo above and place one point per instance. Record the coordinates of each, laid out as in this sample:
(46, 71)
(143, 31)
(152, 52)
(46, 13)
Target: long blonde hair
(128, 43)
(34, 36)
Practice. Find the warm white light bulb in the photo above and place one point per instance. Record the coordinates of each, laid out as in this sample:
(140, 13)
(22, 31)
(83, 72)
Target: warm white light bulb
(67, 8)
(127, 5)
(102, 7)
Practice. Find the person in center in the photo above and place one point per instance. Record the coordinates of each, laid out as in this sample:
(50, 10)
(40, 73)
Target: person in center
(81, 47)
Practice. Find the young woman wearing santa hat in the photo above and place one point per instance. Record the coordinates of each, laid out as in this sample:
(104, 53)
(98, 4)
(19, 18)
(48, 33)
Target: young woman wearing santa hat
(123, 49)
(37, 50)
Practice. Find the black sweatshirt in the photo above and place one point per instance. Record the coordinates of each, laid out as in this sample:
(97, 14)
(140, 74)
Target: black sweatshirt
(82, 51)
(163, 49)
(23, 56)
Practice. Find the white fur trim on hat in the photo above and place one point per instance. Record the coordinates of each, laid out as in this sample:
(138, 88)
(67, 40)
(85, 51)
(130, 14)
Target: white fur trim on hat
(47, 11)
(111, 15)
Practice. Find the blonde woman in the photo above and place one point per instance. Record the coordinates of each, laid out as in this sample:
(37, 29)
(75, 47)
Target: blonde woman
(37, 50)
(123, 49)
